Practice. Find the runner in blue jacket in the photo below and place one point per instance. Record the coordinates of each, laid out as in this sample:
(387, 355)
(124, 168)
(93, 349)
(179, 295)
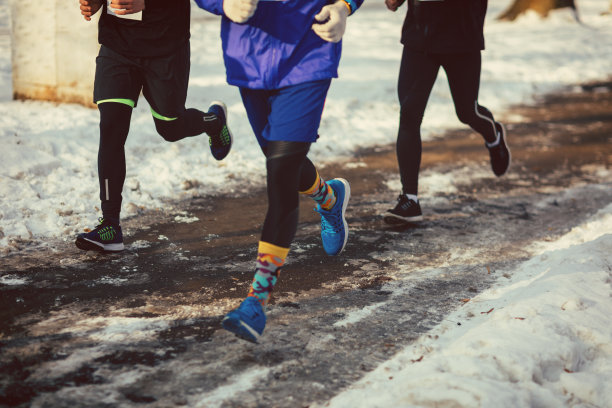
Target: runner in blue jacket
(282, 55)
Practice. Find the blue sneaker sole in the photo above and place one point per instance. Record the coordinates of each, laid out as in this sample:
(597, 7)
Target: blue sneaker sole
(240, 329)
(347, 195)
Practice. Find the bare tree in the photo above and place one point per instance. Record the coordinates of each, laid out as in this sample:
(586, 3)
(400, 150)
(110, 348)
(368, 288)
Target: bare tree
(542, 7)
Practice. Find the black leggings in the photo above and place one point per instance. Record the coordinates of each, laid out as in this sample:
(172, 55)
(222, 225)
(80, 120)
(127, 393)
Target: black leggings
(418, 73)
(289, 172)
(114, 128)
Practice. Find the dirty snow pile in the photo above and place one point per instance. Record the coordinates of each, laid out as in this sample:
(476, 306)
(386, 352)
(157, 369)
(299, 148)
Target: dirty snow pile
(542, 339)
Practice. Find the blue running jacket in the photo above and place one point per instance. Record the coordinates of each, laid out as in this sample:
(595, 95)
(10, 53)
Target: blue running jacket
(277, 47)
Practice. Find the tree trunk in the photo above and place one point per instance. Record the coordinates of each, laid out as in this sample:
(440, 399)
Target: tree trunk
(542, 7)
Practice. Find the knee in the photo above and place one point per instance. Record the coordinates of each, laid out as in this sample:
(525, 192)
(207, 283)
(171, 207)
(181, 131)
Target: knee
(411, 113)
(113, 130)
(283, 174)
(465, 116)
(167, 130)
(281, 169)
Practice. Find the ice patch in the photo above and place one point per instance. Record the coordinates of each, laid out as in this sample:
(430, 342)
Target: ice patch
(13, 280)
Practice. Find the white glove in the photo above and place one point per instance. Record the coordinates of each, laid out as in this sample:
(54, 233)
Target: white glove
(331, 21)
(239, 11)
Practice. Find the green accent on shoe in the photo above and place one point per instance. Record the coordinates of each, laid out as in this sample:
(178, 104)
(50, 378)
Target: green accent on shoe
(127, 102)
(224, 137)
(107, 233)
(161, 117)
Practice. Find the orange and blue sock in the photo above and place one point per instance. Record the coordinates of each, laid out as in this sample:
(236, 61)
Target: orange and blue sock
(322, 193)
(270, 259)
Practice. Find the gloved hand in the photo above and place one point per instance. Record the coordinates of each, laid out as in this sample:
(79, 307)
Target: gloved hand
(331, 21)
(239, 11)
(393, 5)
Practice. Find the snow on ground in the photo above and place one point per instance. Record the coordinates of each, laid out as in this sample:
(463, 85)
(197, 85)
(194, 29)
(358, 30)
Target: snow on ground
(48, 175)
(539, 338)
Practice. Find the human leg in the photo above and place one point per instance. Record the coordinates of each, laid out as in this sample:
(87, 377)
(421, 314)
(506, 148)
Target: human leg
(417, 76)
(294, 114)
(165, 88)
(116, 88)
(114, 127)
(463, 72)
(283, 164)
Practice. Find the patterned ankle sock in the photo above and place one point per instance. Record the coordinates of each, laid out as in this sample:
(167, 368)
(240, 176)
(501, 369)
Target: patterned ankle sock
(270, 258)
(322, 193)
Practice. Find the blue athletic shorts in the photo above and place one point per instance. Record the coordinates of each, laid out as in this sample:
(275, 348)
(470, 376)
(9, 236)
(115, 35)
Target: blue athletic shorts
(291, 114)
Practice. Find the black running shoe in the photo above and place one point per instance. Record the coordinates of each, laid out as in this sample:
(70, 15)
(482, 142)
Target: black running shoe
(220, 143)
(106, 237)
(406, 210)
(499, 152)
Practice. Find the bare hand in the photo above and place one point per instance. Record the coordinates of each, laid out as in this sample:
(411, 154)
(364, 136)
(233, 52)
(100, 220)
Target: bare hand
(393, 5)
(89, 8)
(122, 7)
(331, 21)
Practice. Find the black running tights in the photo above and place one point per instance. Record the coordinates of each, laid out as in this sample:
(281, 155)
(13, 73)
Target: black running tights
(418, 73)
(289, 172)
(114, 128)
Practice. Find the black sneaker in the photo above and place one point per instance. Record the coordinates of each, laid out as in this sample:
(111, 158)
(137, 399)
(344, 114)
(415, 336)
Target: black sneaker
(499, 152)
(406, 210)
(106, 237)
(220, 143)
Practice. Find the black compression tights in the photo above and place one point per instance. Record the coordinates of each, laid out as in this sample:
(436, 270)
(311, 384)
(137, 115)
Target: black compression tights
(418, 73)
(114, 128)
(190, 123)
(289, 172)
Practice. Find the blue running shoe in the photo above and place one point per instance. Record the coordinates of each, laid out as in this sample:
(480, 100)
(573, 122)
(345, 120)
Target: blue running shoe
(248, 321)
(106, 237)
(220, 143)
(334, 229)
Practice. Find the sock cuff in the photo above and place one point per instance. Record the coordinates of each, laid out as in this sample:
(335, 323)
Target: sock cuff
(268, 248)
(413, 197)
(314, 186)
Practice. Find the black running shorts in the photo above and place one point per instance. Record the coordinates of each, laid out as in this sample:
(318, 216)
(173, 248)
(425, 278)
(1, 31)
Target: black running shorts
(162, 80)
